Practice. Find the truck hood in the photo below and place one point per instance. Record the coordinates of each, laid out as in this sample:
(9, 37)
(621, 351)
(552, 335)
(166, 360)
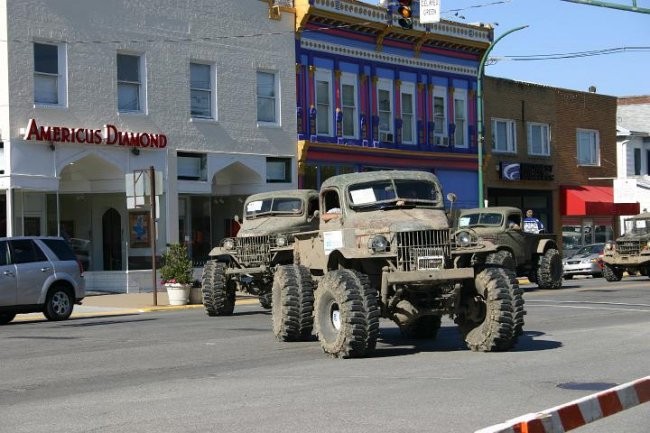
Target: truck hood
(264, 226)
(399, 220)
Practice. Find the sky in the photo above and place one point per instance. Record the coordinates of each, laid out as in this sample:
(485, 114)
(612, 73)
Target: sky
(560, 27)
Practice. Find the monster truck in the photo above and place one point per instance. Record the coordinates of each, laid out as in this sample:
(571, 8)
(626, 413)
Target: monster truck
(630, 252)
(531, 255)
(247, 262)
(387, 251)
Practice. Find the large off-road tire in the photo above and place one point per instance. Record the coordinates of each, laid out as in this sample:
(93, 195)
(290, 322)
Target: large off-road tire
(611, 273)
(6, 318)
(293, 303)
(549, 270)
(502, 259)
(485, 314)
(346, 314)
(58, 303)
(217, 289)
(266, 299)
(424, 327)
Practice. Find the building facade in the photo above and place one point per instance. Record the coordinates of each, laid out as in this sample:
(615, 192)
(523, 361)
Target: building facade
(372, 95)
(95, 94)
(553, 151)
(633, 151)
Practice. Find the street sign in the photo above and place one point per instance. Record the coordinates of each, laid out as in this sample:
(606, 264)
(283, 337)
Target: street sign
(429, 11)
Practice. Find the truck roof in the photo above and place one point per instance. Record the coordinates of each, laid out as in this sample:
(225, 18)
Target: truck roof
(368, 176)
(290, 193)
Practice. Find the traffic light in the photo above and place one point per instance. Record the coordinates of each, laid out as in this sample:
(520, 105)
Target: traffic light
(406, 14)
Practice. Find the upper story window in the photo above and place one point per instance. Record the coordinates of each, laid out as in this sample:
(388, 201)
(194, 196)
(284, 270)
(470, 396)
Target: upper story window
(460, 118)
(588, 147)
(50, 86)
(504, 136)
(201, 91)
(268, 105)
(323, 102)
(278, 170)
(539, 141)
(408, 113)
(385, 110)
(440, 118)
(191, 166)
(349, 105)
(130, 83)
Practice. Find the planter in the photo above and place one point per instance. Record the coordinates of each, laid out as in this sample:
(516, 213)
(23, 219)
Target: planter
(196, 297)
(178, 294)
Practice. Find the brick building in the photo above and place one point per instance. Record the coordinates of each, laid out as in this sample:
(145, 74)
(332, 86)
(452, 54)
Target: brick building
(553, 151)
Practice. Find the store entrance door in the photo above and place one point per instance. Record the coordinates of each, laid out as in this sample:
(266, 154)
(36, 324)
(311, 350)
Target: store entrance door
(112, 240)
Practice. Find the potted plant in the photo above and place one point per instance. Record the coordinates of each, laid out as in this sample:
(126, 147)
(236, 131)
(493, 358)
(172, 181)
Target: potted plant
(176, 274)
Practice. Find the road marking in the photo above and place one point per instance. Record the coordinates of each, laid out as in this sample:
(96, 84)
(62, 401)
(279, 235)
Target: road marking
(576, 307)
(588, 302)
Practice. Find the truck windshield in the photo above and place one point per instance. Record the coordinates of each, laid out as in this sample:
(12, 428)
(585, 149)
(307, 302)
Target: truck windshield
(637, 226)
(480, 219)
(398, 192)
(273, 206)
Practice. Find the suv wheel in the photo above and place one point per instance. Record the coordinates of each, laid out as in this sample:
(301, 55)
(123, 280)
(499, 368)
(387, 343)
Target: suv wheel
(6, 318)
(346, 314)
(293, 303)
(58, 305)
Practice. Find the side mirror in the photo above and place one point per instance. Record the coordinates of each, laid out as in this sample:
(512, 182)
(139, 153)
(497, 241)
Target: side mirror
(236, 218)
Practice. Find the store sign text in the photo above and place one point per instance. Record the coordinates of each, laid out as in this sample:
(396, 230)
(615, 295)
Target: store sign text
(109, 136)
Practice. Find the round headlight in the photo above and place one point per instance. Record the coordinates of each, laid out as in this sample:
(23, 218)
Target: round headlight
(463, 239)
(281, 241)
(378, 244)
(228, 244)
(609, 246)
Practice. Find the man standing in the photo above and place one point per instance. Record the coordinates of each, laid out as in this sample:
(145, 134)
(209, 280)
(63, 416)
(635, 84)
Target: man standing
(532, 224)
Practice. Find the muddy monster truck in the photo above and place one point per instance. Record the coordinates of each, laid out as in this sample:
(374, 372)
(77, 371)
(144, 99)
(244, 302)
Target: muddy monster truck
(384, 248)
(531, 255)
(630, 252)
(247, 262)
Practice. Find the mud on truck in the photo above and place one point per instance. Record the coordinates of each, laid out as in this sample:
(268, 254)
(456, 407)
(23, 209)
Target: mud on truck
(630, 252)
(532, 255)
(385, 249)
(246, 262)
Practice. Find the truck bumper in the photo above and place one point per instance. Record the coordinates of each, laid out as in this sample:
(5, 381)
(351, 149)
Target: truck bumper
(400, 277)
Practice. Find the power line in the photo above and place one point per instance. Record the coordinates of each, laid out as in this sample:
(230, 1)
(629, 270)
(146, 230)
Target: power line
(572, 55)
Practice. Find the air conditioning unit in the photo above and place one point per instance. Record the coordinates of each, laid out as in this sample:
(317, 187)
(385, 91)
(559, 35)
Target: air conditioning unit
(441, 141)
(386, 137)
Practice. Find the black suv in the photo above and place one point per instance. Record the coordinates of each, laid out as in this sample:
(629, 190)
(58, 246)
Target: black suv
(39, 274)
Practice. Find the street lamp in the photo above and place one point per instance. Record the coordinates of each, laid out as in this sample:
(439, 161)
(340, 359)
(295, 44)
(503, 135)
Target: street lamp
(479, 111)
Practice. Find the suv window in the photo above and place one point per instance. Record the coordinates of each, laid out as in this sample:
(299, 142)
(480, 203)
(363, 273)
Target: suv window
(60, 248)
(26, 251)
(3, 253)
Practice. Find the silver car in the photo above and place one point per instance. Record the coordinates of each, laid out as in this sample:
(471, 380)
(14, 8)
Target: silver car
(39, 274)
(588, 260)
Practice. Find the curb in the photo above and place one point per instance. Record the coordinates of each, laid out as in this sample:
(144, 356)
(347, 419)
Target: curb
(579, 412)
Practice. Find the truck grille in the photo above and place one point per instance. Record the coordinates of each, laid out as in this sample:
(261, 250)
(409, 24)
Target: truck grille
(254, 250)
(422, 250)
(629, 247)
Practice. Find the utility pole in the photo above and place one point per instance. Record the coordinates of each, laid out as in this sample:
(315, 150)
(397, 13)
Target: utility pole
(479, 111)
(610, 5)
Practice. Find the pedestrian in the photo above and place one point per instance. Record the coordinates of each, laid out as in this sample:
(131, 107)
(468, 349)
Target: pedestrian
(532, 224)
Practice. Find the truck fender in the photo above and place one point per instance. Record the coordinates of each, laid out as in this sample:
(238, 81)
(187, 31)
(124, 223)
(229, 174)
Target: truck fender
(545, 244)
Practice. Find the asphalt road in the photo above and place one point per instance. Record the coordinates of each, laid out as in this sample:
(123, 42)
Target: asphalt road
(185, 372)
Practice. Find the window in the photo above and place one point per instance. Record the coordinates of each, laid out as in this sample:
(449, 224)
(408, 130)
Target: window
(267, 102)
(504, 136)
(130, 89)
(460, 116)
(439, 115)
(278, 170)
(385, 110)
(588, 152)
(637, 162)
(538, 139)
(49, 74)
(408, 113)
(26, 251)
(323, 102)
(201, 94)
(191, 166)
(349, 105)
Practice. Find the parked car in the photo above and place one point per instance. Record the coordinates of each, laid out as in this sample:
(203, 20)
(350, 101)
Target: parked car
(588, 260)
(39, 274)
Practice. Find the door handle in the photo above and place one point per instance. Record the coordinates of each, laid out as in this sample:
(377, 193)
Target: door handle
(8, 274)
(45, 269)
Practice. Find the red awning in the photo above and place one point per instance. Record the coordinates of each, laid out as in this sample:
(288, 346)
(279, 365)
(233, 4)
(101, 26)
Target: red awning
(594, 200)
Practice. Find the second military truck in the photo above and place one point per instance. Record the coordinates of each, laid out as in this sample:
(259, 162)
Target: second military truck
(246, 262)
(384, 248)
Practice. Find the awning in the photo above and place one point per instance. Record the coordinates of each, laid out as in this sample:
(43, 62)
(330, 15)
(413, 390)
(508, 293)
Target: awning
(594, 200)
